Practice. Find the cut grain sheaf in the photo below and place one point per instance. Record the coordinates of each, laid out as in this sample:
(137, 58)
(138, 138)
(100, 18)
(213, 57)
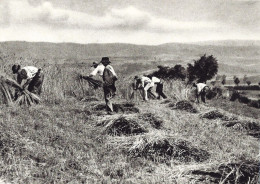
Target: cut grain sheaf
(239, 173)
(8, 85)
(163, 149)
(124, 126)
(215, 114)
(184, 105)
(249, 127)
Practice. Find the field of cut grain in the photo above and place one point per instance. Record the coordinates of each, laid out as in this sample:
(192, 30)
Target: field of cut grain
(69, 138)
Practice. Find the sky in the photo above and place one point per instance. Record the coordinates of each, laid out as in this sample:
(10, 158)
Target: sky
(148, 22)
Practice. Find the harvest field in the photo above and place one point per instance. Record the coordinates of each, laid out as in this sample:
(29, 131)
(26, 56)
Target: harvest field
(69, 138)
(252, 94)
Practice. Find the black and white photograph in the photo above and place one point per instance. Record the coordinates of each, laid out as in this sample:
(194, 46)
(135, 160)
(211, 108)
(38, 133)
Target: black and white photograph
(129, 91)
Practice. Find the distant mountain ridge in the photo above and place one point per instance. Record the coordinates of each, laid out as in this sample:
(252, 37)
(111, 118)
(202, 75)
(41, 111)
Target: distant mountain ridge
(80, 51)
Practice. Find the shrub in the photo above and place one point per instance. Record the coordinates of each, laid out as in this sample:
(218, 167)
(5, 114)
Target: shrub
(244, 99)
(236, 81)
(165, 72)
(254, 103)
(203, 69)
(235, 95)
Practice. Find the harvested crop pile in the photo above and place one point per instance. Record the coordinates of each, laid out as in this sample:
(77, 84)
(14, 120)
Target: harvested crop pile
(124, 107)
(185, 105)
(215, 114)
(8, 85)
(124, 126)
(250, 127)
(153, 120)
(163, 149)
(240, 173)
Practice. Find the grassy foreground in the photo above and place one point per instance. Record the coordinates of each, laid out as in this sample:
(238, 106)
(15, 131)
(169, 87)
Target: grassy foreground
(76, 142)
(70, 139)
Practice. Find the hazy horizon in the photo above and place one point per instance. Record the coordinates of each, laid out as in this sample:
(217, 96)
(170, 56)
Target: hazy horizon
(197, 42)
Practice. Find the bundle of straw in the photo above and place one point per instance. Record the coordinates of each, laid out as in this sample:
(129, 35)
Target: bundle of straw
(92, 82)
(25, 97)
(6, 93)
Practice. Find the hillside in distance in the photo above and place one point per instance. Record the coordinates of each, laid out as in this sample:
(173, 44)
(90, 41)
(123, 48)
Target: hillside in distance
(242, 55)
(81, 51)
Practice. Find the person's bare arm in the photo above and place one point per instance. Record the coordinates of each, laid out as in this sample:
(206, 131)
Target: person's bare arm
(19, 79)
(27, 83)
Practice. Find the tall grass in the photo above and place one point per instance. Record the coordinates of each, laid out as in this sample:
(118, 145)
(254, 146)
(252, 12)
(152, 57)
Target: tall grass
(60, 83)
(60, 80)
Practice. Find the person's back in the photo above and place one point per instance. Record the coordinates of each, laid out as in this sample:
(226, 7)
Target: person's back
(200, 87)
(99, 69)
(145, 81)
(29, 71)
(200, 91)
(109, 76)
(155, 80)
(33, 77)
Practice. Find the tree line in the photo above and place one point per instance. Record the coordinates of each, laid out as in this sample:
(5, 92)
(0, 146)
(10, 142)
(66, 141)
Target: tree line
(202, 70)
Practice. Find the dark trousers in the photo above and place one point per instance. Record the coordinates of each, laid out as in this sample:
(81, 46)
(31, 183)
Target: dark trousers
(109, 93)
(35, 85)
(159, 90)
(201, 95)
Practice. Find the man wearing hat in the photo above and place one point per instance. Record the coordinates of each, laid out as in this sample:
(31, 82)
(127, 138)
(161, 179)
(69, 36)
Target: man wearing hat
(109, 76)
(33, 76)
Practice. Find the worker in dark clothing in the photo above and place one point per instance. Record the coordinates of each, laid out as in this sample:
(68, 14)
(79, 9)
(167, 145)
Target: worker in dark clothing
(109, 76)
(159, 87)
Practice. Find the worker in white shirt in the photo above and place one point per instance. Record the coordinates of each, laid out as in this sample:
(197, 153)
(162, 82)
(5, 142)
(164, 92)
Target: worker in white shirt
(144, 83)
(109, 76)
(33, 78)
(159, 86)
(201, 91)
(98, 69)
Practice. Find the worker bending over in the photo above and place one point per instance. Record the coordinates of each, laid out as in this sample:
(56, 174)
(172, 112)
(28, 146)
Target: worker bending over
(147, 83)
(201, 91)
(32, 76)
